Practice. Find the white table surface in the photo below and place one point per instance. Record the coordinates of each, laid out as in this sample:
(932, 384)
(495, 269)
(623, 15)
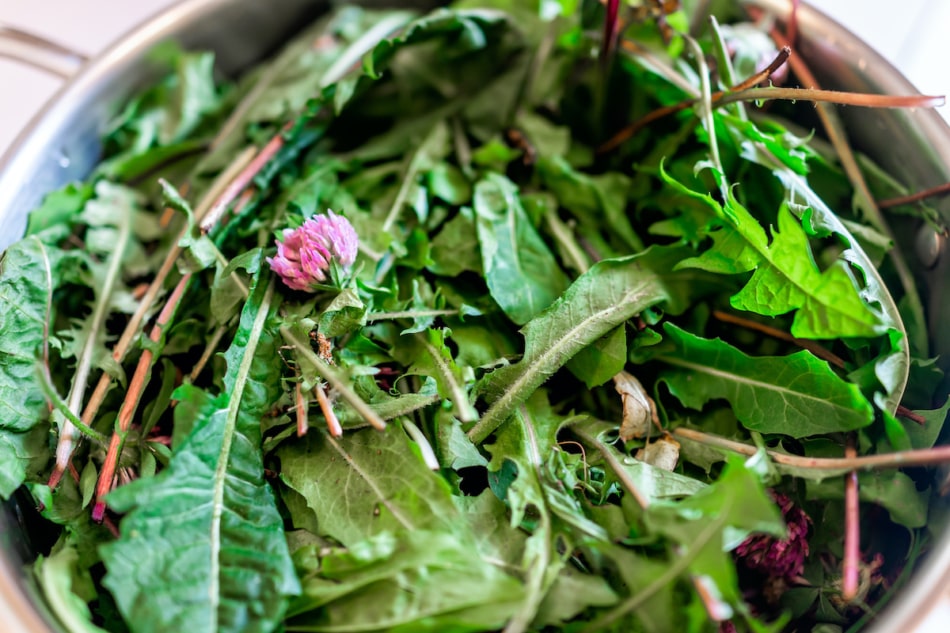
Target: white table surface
(910, 34)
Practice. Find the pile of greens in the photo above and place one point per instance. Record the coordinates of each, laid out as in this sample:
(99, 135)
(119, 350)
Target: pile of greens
(580, 390)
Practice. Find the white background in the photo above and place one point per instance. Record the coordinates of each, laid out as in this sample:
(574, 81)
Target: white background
(909, 33)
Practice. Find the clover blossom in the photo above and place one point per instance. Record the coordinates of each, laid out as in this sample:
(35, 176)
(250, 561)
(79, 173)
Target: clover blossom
(779, 558)
(305, 254)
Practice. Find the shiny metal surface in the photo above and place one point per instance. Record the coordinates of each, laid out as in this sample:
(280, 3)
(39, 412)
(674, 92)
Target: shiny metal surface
(62, 145)
(39, 52)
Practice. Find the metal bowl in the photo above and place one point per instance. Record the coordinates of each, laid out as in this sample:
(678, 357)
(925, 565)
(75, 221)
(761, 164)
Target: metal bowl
(61, 144)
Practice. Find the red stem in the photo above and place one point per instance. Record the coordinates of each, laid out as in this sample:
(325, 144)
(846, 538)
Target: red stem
(301, 410)
(243, 179)
(915, 197)
(628, 132)
(850, 575)
(793, 24)
(610, 29)
(132, 398)
(333, 423)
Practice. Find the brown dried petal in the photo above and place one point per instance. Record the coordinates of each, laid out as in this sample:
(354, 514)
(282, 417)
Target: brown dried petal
(639, 409)
(663, 453)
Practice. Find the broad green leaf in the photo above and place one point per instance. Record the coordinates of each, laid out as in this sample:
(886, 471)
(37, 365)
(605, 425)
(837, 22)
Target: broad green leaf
(785, 277)
(455, 450)
(345, 314)
(593, 200)
(455, 247)
(824, 222)
(422, 581)
(797, 395)
(893, 490)
(611, 292)
(602, 360)
(226, 566)
(29, 273)
(58, 575)
(446, 181)
(525, 444)
(523, 276)
(572, 593)
(925, 435)
(715, 520)
(366, 483)
(58, 208)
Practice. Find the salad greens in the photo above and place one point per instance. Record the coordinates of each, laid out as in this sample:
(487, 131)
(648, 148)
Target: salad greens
(401, 331)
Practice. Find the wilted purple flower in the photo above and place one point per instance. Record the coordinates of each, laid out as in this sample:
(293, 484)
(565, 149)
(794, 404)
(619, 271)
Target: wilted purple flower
(779, 558)
(303, 257)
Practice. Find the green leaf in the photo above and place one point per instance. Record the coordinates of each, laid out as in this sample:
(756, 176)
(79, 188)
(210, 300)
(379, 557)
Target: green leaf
(570, 594)
(455, 450)
(57, 575)
(436, 361)
(29, 273)
(193, 96)
(426, 581)
(446, 181)
(523, 276)
(228, 290)
(345, 314)
(823, 221)
(594, 200)
(611, 292)
(893, 490)
(704, 528)
(785, 277)
(58, 208)
(798, 395)
(602, 360)
(366, 483)
(227, 567)
(925, 435)
(455, 248)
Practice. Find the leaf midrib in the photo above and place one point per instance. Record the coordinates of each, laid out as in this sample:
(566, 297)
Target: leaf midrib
(220, 473)
(503, 406)
(739, 378)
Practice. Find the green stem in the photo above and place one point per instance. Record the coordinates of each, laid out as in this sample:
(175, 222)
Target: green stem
(65, 443)
(463, 408)
(409, 314)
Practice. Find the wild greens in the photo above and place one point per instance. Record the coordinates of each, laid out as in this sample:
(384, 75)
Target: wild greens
(426, 435)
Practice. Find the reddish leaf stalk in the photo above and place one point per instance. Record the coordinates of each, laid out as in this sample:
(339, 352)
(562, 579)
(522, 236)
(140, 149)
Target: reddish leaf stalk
(811, 346)
(793, 24)
(243, 179)
(834, 96)
(628, 132)
(899, 459)
(333, 423)
(915, 197)
(132, 398)
(610, 29)
(850, 576)
(121, 347)
(301, 408)
(904, 412)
